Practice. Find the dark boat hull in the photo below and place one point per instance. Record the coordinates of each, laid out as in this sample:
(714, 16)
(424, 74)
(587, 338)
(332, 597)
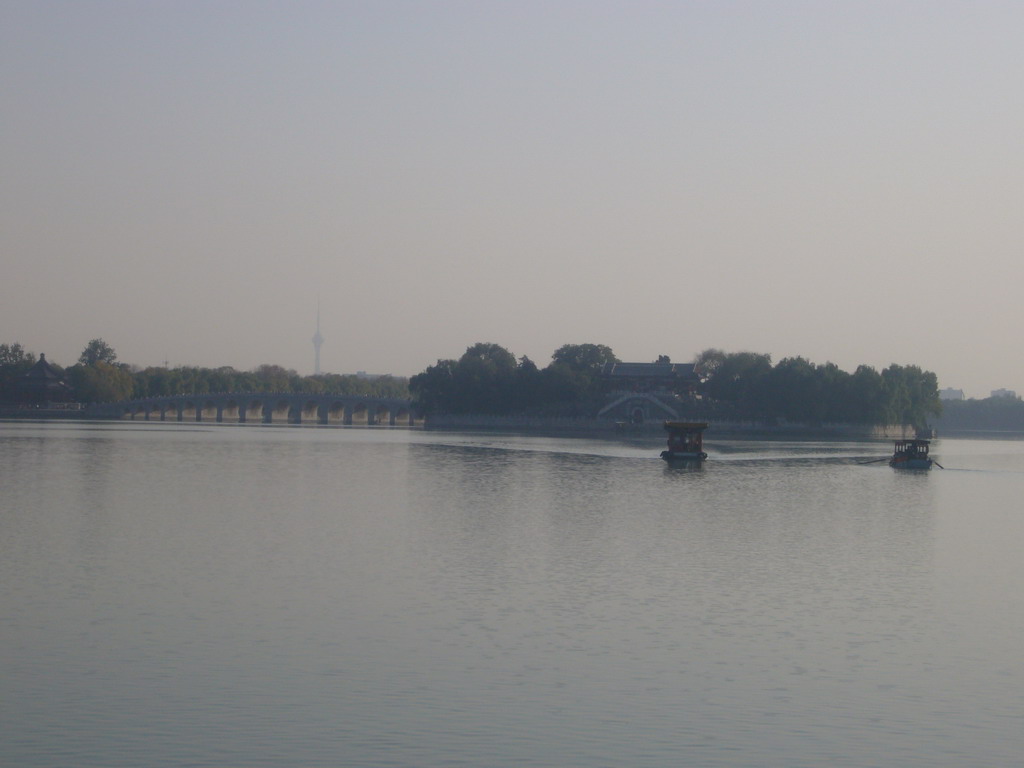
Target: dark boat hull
(910, 463)
(683, 456)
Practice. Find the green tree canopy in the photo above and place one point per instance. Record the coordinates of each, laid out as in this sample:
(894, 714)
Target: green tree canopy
(794, 391)
(15, 354)
(736, 378)
(484, 379)
(101, 382)
(487, 379)
(746, 385)
(274, 378)
(911, 395)
(584, 357)
(14, 363)
(434, 389)
(98, 351)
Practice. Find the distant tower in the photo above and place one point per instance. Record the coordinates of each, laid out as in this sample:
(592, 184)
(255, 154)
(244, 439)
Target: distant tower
(317, 341)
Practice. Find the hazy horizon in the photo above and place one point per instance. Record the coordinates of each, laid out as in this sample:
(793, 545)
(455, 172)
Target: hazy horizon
(189, 180)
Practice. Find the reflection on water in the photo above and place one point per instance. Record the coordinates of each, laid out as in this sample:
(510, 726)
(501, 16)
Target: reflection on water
(313, 597)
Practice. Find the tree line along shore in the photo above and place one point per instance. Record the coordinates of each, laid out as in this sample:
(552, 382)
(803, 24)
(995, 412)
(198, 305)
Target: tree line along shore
(489, 380)
(98, 377)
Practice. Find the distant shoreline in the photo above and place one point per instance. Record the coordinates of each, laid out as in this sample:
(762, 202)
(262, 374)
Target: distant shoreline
(568, 427)
(983, 434)
(583, 427)
(45, 414)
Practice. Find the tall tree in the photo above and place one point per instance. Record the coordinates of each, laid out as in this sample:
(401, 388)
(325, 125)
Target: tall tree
(484, 379)
(589, 358)
(706, 363)
(15, 354)
(98, 351)
(794, 391)
(433, 390)
(737, 378)
(912, 395)
(14, 363)
(866, 397)
(101, 382)
(273, 378)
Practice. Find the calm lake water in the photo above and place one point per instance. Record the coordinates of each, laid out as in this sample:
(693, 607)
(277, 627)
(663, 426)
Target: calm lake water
(189, 595)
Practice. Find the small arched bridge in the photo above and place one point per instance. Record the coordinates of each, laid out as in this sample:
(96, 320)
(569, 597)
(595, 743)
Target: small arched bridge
(268, 408)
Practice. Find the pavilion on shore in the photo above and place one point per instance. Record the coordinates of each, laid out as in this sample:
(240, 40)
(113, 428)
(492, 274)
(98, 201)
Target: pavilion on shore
(42, 384)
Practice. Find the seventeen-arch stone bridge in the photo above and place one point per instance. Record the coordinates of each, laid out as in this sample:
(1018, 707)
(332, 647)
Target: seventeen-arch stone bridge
(267, 408)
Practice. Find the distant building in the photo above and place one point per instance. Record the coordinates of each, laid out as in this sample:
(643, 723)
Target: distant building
(1003, 393)
(641, 407)
(42, 384)
(649, 377)
(643, 392)
(951, 394)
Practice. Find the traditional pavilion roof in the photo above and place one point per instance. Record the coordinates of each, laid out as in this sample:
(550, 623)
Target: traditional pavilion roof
(42, 371)
(41, 383)
(648, 370)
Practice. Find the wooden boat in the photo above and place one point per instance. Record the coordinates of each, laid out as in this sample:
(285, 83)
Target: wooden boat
(911, 454)
(685, 442)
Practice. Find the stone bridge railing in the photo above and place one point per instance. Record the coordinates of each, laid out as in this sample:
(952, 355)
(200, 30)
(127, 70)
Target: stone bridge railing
(265, 408)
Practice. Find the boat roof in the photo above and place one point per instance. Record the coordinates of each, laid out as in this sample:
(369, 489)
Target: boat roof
(689, 425)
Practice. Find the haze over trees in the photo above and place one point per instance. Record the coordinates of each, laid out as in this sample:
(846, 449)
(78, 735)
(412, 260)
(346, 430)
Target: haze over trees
(98, 377)
(488, 379)
(991, 414)
(160, 381)
(746, 386)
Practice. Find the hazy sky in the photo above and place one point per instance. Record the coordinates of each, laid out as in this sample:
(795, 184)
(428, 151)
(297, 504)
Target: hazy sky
(837, 180)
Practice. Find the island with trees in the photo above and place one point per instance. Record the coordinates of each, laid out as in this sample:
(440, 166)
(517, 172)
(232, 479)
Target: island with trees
(734, 387)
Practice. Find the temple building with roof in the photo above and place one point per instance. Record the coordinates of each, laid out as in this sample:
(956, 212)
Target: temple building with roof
(642, 392)
(42, 384)
(649, 377)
